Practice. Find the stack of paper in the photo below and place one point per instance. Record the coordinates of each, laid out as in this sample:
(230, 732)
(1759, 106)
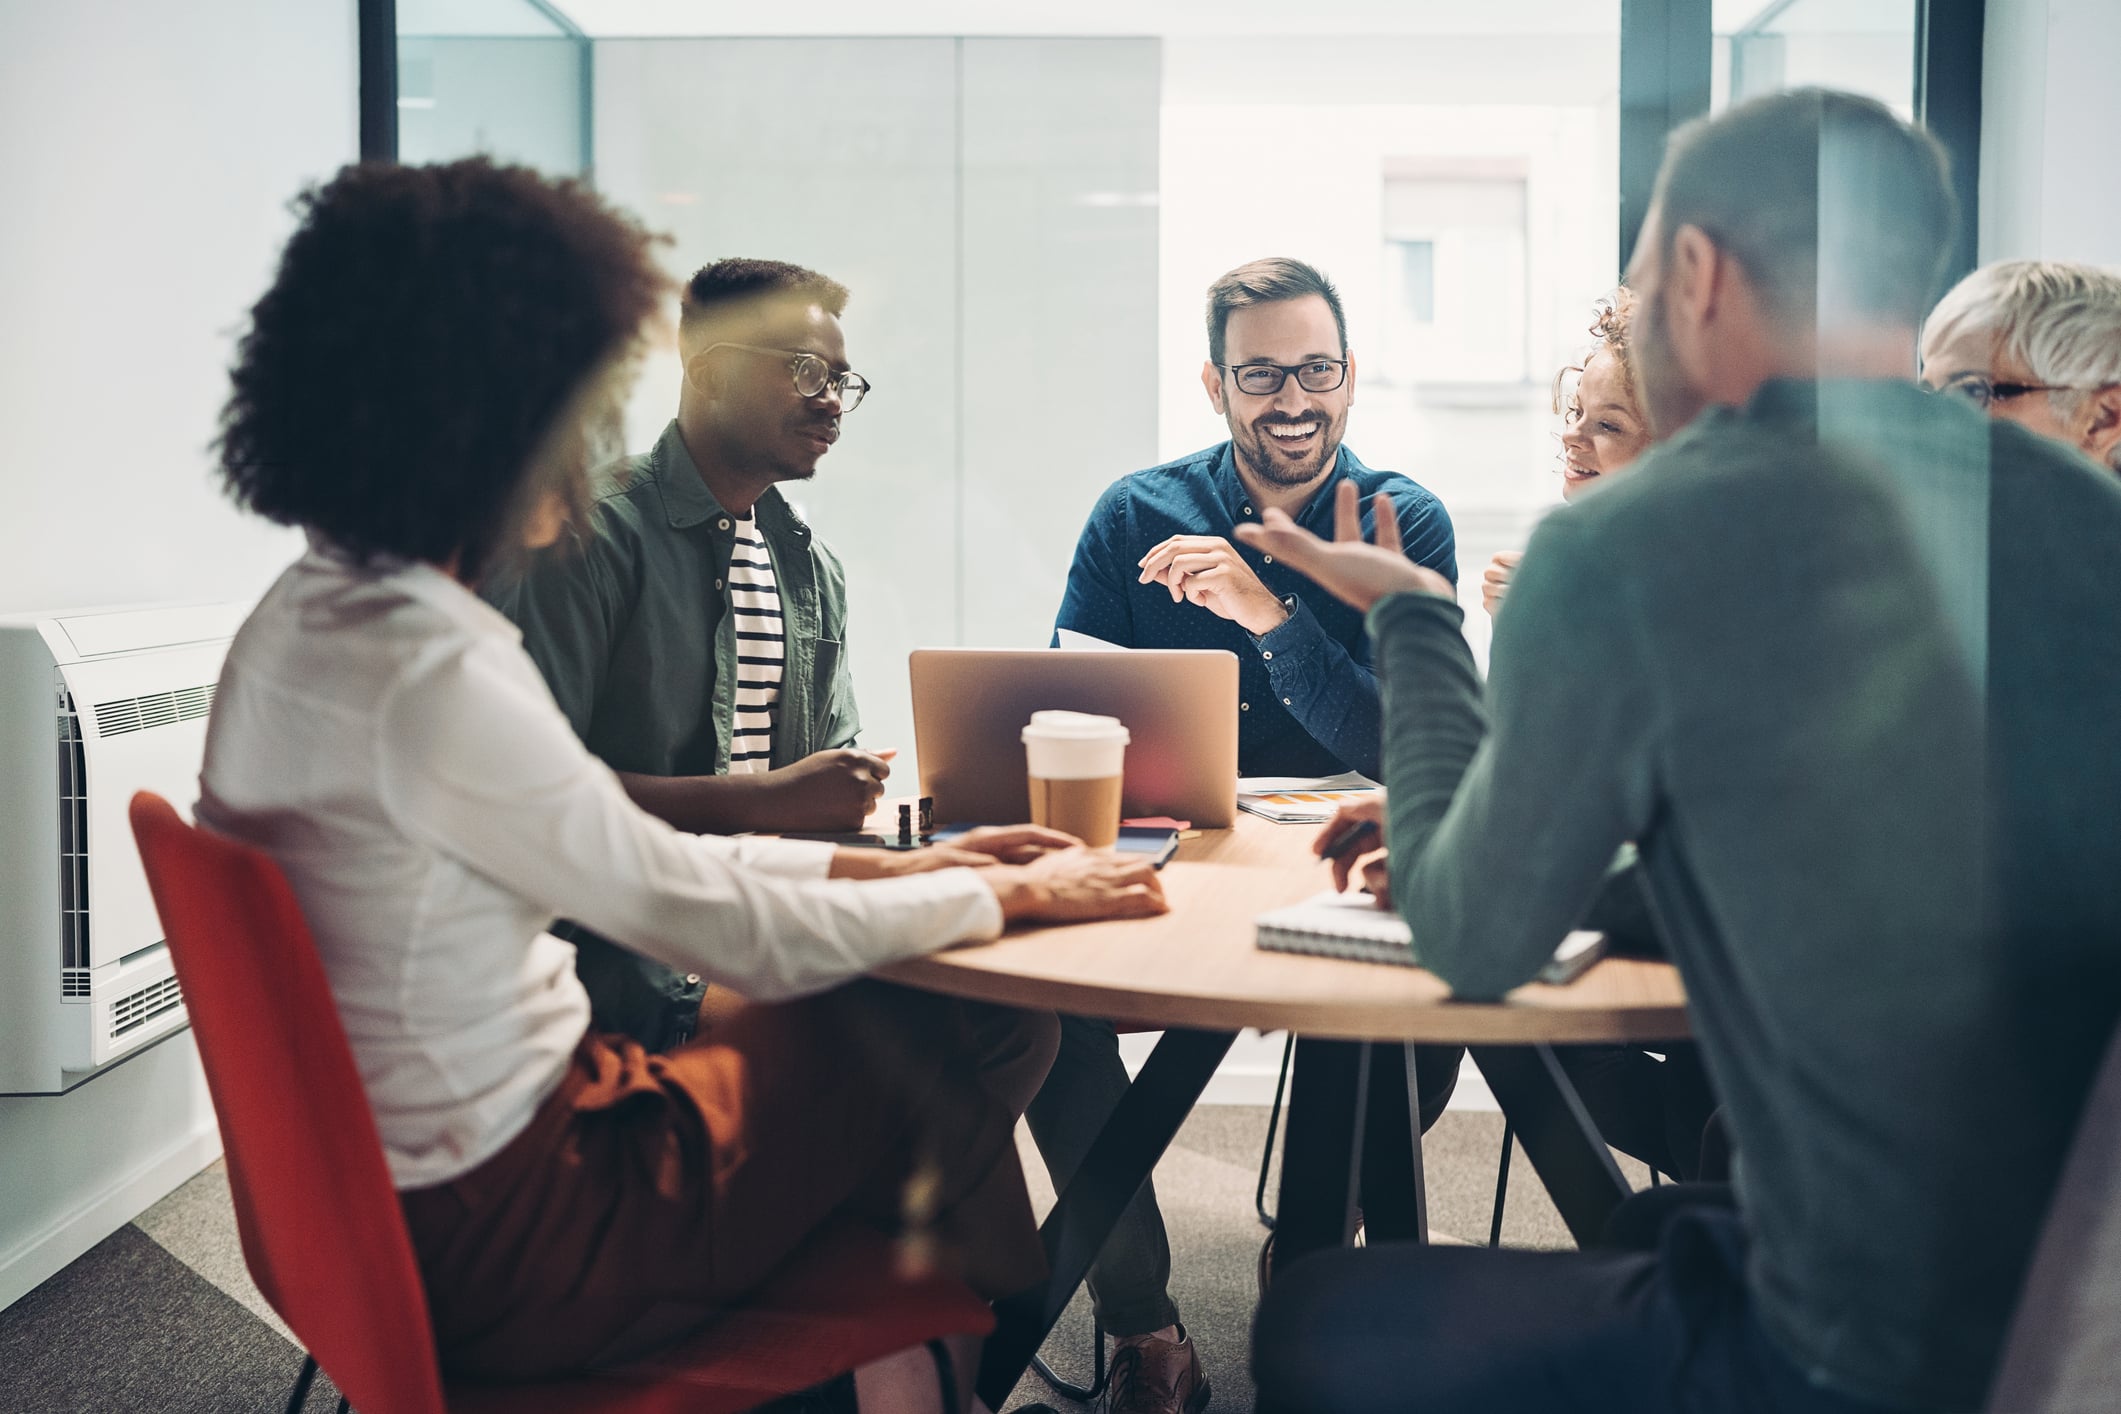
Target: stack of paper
(1300, 800)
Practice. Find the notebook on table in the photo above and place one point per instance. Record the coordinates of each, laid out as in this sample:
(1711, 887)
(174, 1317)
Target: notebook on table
(1351, 925)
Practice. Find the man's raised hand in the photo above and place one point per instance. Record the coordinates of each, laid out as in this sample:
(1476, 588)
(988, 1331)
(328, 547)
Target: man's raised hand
(1354, 570)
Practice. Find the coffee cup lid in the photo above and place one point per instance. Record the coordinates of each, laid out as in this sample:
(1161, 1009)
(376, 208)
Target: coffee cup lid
(1075, 726)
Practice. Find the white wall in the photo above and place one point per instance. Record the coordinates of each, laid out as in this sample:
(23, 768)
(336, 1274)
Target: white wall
(2050, 112)
(147, 152)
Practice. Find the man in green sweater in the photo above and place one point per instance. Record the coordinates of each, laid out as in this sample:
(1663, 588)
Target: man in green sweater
(1843, 659)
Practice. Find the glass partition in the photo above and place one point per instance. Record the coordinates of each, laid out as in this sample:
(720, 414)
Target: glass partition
(1862, 46)
(508, 78)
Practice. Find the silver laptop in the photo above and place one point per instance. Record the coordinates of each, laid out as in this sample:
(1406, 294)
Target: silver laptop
(1179, 704)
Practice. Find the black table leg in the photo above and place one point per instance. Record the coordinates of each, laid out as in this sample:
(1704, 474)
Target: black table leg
(1394, 1197)
(1565, 1148)
(1134, 1138)
(1328, 1102)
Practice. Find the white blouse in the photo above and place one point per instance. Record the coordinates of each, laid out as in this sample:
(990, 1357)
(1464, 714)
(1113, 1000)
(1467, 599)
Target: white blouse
(382, 735)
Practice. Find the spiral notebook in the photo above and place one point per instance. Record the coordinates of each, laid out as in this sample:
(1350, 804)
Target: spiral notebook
(1351, 925)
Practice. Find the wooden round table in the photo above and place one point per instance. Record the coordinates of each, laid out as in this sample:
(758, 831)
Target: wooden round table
(1197, 966)
(1196, 974)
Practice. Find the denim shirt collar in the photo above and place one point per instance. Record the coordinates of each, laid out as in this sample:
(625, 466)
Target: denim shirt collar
(1237, 501)
(687, 502)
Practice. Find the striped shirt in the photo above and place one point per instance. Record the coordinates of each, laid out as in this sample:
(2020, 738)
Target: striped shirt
(756, 603)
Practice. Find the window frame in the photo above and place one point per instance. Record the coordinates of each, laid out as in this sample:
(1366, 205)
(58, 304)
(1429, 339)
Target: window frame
(377, 24)
(1666, 56)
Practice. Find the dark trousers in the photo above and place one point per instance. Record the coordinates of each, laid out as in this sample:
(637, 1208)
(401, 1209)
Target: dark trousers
(1130, 1280)
(1649, 1109)
(1399, 1328)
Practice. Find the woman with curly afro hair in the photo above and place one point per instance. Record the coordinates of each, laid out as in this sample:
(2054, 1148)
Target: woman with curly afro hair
(423, 391)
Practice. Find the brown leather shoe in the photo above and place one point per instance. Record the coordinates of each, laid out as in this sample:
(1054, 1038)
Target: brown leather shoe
(1152, 1376)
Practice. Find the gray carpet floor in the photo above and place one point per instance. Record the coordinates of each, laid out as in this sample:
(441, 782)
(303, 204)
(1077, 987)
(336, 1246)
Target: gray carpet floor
(162, 1316)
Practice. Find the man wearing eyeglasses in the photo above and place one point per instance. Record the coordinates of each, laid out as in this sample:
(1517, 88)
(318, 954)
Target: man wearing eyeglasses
(2037, 342)
(694, 632)
(1158, 565)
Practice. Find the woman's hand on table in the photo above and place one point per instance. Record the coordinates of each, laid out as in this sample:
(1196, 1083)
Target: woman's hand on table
(1076, 886)
(975, 849)
(1006, 844)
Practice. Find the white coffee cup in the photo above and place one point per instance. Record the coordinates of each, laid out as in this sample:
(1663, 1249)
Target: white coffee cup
(1076, 762)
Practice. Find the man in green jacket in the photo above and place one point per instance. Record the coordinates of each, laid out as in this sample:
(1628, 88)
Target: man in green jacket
(695, 632)
(1844, 659)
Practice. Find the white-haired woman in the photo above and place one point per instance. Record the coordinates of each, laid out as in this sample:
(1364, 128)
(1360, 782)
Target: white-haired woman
(2038, 342)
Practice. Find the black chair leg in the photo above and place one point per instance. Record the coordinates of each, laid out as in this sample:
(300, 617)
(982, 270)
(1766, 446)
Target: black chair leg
(299, 1395)
(1502, 1187)
(1099, 1375)
(945, 1375)
(1266, 1155)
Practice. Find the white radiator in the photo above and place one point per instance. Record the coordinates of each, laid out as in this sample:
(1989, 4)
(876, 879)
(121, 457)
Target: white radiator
(94, 706)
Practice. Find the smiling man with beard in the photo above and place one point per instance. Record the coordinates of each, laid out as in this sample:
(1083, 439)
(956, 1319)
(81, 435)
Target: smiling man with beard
(1158, 565)
(694, 632)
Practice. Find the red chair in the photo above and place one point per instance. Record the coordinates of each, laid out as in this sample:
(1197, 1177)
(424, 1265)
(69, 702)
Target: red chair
(320, 1224)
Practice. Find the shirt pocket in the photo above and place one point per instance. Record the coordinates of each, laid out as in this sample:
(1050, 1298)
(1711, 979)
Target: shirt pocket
(826, 655)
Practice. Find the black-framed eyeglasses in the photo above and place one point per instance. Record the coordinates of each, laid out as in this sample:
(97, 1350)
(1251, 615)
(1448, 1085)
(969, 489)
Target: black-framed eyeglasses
(1982, 390)
(812, 374)
(1264, 380)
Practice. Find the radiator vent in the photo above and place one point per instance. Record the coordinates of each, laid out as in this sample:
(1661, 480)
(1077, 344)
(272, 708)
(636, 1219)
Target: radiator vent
(131, 1013)
(73, 841)
(155, 709)
(75, 982)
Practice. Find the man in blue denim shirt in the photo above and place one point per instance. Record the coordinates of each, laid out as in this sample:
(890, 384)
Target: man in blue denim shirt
(1158, 565)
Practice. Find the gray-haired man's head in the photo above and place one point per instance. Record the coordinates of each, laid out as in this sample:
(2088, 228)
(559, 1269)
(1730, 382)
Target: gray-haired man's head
(1792, 224)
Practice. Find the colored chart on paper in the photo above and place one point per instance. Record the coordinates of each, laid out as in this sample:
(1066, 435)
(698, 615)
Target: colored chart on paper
(1297, 800)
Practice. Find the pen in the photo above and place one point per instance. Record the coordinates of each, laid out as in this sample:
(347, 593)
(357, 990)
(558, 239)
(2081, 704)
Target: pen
(1347, 840)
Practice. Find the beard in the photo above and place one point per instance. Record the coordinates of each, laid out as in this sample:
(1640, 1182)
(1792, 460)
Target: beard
(1255, 448)
(1670, 400)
